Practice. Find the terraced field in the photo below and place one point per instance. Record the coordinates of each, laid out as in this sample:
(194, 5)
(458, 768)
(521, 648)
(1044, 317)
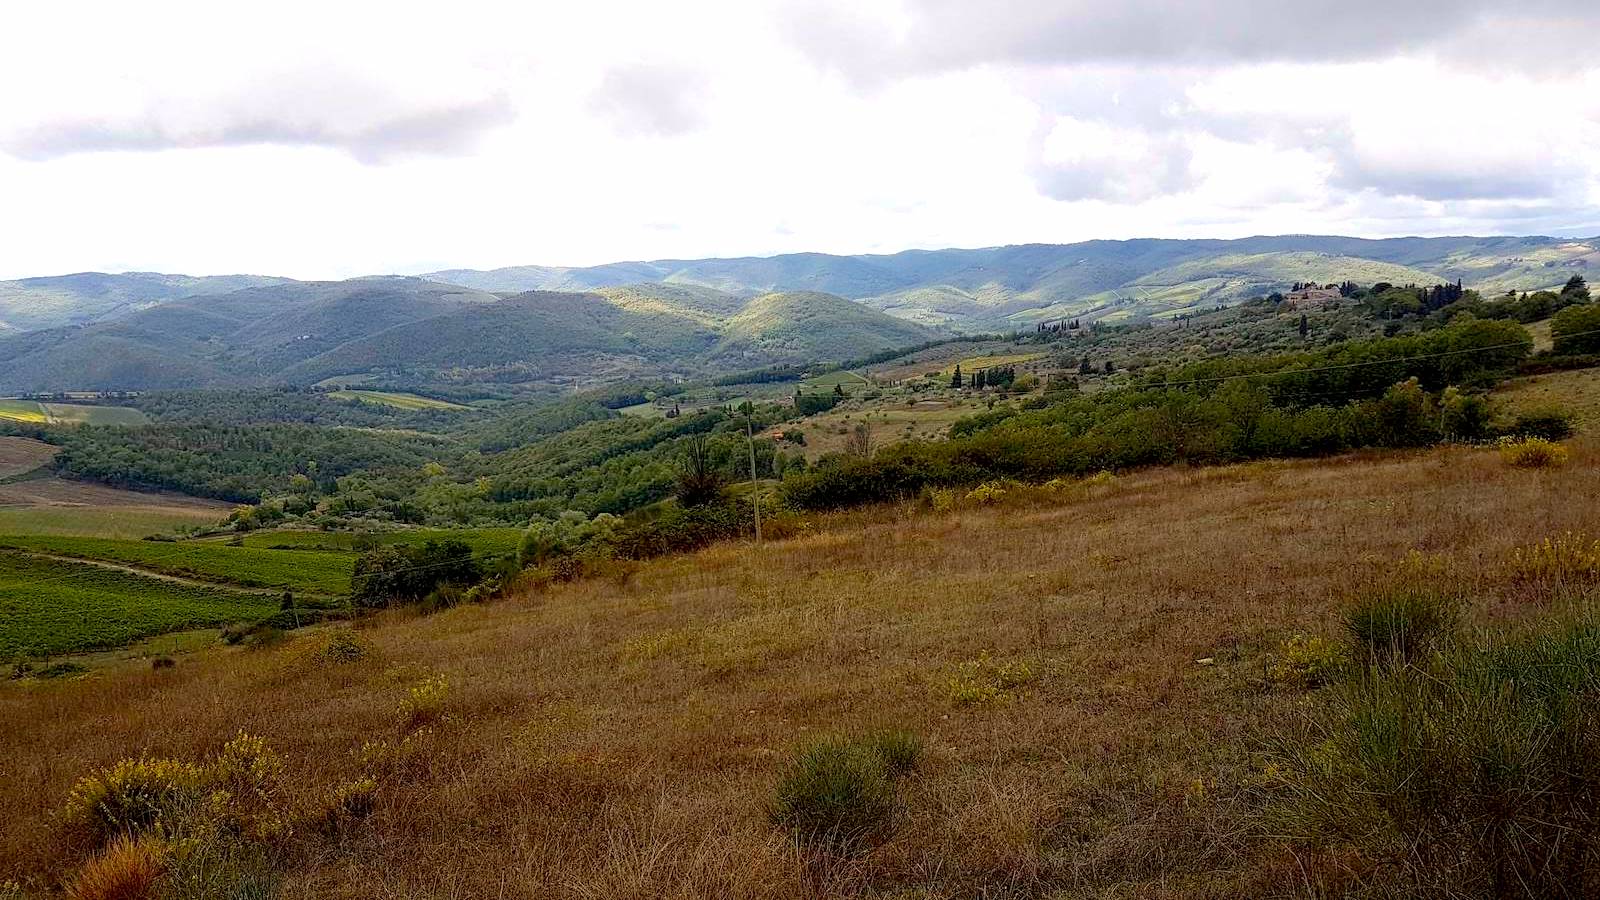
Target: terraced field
(59, 506)
(51, 607)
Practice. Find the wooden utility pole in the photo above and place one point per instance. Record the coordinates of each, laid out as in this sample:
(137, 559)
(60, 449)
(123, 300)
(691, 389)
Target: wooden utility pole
(755, 486)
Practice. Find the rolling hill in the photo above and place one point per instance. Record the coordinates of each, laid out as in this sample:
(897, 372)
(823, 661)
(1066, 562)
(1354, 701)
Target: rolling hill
(645, 319)
(305, 332)
(801, 326)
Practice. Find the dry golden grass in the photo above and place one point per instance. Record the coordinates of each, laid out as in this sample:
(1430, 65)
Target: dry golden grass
(622, 737)
(126, 870)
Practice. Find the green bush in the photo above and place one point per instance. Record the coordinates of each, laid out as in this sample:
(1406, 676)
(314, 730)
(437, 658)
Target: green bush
(1472, 777)
(1549, 424)
(1400, 626)
(839, 792)
(1576, 329)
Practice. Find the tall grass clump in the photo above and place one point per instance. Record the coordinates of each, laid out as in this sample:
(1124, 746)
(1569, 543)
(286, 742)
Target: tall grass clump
(839, 792)
(1400, 625)
(1473, 776)
(127, 869)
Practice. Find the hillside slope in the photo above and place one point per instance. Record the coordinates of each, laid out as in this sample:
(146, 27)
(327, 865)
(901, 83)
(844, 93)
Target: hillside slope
(804, 326)
(622, 736)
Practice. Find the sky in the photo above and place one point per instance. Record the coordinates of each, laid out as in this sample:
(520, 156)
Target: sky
(332, 139)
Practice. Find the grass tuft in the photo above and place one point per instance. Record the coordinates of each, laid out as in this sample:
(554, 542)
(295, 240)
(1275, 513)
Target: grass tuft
(127, 869)
(839, 792)
(1473, 776)
(1400, 626)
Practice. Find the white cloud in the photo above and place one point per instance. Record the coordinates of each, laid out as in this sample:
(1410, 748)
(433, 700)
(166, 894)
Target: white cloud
(325, 140)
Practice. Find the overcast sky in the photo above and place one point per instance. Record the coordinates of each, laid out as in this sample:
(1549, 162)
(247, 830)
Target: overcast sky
(329, 139)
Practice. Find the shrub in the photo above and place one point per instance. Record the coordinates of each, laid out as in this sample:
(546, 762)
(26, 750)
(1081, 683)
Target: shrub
(1472, 778)
(1576, 329)
(351, 801)
(424, 701)
(940, 499)
(133, 795)
(406, 574)
(342, 645)
(1572, 558)
(128, 869)
(1401, 625)
(1532, 453)
(988, 493)
(1306, 661)
(1550, 424)
(836, 793)
(983, 680)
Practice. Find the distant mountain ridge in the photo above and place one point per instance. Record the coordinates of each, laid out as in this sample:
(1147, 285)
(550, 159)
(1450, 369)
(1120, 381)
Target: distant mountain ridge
(558, 326)
(1013, 286)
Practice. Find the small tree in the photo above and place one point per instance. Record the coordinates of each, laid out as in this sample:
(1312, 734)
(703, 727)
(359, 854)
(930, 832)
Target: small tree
(699, 483)
(1305, 325)
(955, 380)
(858, 442)
(1084, 368)
(1576, 290)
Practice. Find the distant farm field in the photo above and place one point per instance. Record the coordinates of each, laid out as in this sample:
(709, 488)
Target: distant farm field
(51, 607)
(395, 399)
(24, 411)
(850, 381)
(59, 506)
(69, 413)
(19, 455)
(299, 570)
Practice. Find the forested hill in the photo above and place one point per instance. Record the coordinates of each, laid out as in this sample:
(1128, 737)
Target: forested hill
(300, 333)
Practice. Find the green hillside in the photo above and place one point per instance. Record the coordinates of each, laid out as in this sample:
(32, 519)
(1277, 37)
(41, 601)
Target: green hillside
(807, 326)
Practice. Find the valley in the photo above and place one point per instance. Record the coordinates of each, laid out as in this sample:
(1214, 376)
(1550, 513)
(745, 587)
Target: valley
(1047, 565)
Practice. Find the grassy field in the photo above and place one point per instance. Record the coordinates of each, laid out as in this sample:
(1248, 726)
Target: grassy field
(19, 455)
(395, 399)
(80, 414)
(51, 607)
(1576, 391)
(849, 381)
(24, 411)
(305, 571)
(889, 422)
(59, 506)
(1087, 671)
(69, 413)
